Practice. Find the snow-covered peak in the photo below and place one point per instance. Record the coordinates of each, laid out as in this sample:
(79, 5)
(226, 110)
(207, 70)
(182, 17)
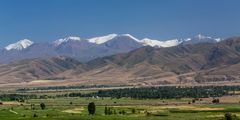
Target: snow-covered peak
(218, 39)
(64, 40)
(157, 43)
(150, 42)
(20, 45)
(145, 41)
(128, 35)
(102, 39)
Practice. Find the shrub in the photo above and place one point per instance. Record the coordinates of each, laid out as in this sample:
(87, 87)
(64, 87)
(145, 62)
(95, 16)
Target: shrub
(133, 111)
(43, 106)
(193, 101)
(229, 116)
(215, 101)
(35, 115)
(106, 111)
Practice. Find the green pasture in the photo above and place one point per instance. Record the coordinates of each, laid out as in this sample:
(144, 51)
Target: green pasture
(146, 109)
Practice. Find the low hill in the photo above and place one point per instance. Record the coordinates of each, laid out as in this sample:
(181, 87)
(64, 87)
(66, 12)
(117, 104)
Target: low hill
(32, 69)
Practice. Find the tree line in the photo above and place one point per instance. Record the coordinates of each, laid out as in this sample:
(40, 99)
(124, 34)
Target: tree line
(167, 92)
(163, 92)
(17, 97)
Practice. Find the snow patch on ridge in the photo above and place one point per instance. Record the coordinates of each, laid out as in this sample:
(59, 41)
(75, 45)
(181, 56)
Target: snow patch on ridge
(157, 43)
(130, 36)
(64, 40)
(102, 39)
(20, 45)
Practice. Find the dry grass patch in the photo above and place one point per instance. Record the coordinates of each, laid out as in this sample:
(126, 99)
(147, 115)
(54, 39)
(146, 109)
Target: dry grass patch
(185, 107)
(11, 103)
(215, 116)
(75, 110)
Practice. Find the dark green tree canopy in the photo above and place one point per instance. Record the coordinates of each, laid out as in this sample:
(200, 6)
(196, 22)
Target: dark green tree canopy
(91, 108)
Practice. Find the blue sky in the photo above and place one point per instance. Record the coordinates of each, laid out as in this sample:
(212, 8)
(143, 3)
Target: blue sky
(47, 20)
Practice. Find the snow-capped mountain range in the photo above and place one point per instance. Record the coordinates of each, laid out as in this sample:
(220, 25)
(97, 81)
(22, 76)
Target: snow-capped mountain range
(23, 44)
(87, 49)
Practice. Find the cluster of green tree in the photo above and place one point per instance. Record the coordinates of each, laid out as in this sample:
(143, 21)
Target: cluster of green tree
(109, 111)
(16, 97)
(166, 92)
(112, 111)
(70, 95)
(45, 96)
(42, 106)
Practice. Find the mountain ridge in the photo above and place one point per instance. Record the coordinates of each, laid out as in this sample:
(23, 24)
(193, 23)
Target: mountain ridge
(183, 64)
(88, 49)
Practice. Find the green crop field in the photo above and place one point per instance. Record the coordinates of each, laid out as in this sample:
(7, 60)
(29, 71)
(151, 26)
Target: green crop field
(61, 109)
(125, 108)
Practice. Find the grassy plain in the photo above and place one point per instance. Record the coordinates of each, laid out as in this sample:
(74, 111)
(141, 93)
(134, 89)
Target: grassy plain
(144, 109)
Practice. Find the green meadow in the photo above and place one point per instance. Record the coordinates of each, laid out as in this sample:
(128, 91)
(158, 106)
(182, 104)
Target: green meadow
(75, 108)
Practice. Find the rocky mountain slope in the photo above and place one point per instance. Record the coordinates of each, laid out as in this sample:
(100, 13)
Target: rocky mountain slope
(35, 69)
(199, 63)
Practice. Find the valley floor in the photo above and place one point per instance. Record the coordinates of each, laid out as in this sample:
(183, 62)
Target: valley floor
(75, 108)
